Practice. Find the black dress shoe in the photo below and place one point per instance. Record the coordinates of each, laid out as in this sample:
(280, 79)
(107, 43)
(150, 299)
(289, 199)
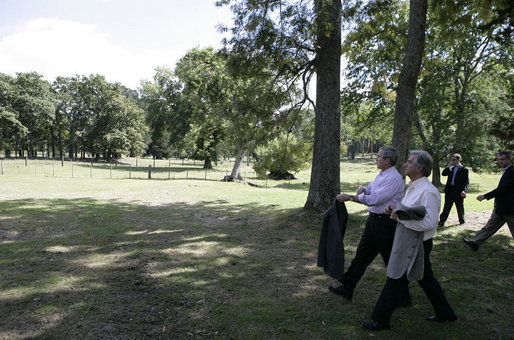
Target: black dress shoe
(470, 244)
(440, 224)
(435, 318)
(375, 326)
(345, 293)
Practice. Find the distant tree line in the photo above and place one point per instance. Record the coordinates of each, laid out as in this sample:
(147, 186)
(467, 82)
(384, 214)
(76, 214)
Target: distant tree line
(74, 116)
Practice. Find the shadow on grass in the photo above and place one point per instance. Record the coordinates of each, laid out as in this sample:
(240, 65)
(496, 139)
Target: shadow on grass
(84, 268)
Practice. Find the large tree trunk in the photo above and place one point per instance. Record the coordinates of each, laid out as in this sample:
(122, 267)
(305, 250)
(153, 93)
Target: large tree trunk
(52, 135)
(207, 164)
(403, 115)
(61, 147)
(71, 144)
(460, 114)
(236, 169)
(325, 178)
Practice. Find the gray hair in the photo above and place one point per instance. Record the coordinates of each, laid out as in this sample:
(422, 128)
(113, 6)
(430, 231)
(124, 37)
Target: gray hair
(423, 160)
(391, 153)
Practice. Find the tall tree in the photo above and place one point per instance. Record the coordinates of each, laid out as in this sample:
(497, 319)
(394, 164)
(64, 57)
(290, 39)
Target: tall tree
(33, 104)
(101, 120)
(11, 129)
(404, 110)
(325, 173)
(203, 79)
(374, 46)
(299, 37)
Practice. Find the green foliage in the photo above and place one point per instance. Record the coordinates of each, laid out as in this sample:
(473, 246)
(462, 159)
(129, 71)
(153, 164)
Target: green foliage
(282, 156)
(99, 118)
(460, 84)
(502, 125)
(11, 129)
(27, 110)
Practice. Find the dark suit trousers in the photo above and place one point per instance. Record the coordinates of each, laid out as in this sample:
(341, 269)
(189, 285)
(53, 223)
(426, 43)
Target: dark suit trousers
(393, 292)
(377, 238)
(450, 198)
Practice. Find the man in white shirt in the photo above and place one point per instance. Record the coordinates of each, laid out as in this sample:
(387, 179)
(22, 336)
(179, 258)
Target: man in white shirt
(386, 189)
(419, 193)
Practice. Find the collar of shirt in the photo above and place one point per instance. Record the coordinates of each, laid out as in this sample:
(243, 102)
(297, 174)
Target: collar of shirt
(387, 171)
(416, 183)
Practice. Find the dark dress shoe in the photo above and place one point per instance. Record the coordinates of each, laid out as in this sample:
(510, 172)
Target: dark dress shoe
(435, 318)
(440, 224)
(470, 244)
(345, 293)
(375, 326)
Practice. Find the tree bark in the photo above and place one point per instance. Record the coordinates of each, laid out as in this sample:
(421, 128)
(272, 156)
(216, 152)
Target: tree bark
(52, 141)
(236, 169)
(325, 177)
(207, 164)
(403, 115)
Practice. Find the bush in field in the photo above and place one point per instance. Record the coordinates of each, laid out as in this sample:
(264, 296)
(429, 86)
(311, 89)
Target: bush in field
(283, 156)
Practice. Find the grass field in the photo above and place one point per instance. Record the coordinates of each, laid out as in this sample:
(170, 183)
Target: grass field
(106, 254)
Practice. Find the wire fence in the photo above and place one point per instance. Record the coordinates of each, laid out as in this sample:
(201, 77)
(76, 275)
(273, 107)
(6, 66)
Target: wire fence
(150, 169)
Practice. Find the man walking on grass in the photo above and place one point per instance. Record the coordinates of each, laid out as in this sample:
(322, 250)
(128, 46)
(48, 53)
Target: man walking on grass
(410, 258)
(503, 204)
(377, 238)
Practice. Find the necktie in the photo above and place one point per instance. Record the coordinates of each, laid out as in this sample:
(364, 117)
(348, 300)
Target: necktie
(455, 169)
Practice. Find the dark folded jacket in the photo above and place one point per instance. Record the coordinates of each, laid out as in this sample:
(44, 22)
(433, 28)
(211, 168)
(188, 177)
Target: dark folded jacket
(331, 247)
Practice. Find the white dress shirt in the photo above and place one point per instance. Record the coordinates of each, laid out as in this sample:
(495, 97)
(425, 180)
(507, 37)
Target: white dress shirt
(386, 189)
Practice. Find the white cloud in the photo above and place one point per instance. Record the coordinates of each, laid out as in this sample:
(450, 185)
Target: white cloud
(55, 47)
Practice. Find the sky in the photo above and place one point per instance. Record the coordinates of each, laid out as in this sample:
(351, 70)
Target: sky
(124, 40)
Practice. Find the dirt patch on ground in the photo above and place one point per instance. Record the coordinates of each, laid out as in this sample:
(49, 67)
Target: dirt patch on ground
(474, 220)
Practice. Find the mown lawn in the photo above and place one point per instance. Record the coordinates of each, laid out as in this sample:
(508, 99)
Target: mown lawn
(111, 257)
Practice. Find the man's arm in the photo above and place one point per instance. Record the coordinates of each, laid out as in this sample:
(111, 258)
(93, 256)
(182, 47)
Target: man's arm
(506, 184)
(447, 171)
(465, 173)
(380, 194)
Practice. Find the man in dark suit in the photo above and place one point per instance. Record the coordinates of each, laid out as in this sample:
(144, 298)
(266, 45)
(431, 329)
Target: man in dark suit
(455, 190)
(503, 204)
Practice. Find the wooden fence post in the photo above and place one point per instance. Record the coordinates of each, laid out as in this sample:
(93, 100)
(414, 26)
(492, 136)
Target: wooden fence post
(150, 171)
